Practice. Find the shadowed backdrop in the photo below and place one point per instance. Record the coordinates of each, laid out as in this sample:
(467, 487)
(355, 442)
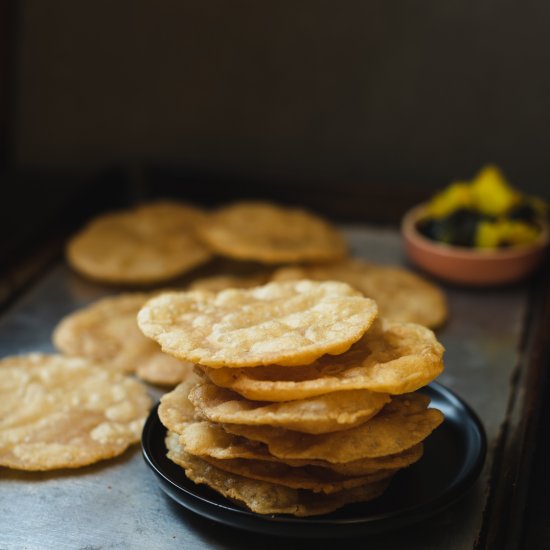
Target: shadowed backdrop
(410, 94)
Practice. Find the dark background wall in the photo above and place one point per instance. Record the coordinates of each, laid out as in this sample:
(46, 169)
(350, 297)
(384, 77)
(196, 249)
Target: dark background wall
(408, 93)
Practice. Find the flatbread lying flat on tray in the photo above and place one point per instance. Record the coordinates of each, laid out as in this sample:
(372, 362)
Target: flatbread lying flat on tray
(145, 245)
(288, 323)
(391, 357)
(204, 439)
(400, 294)
(403, 423)
(215, 283)
(61, 412)
(320, 414)
(269, 233)
(263, 497)
(107, 332)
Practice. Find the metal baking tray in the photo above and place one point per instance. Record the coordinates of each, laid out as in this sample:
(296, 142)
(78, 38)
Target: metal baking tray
(118, 503)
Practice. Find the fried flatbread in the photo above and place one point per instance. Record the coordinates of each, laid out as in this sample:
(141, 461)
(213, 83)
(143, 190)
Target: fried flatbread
(61, 412)
(313, 478)
(325, 413)
(401, 425)
(215, 283)
(205, 440)
(287, 323)
(148, 244)
(107, 332)
(175, 410)
(400, 294)
(391, 357)
(269, 233)
(263, 497)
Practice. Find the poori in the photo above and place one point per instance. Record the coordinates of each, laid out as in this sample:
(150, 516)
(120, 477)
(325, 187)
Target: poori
(391, 431)
(216, 283)
(287, 323)
(139, 246)
(205, 439)
(320, 414)
(401, 295)
(391, 357)
(63, 412)
(271, 234)
(263, 497)
(106, 331)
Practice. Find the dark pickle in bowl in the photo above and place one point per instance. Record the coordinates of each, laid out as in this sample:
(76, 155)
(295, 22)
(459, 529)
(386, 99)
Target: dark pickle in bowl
(458, 228)
(486, 213)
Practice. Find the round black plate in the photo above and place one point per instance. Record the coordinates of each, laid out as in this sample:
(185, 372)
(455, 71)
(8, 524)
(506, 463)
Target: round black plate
(452, 461)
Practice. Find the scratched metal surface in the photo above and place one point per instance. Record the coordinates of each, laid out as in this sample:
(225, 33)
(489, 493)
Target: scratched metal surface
(118, 504)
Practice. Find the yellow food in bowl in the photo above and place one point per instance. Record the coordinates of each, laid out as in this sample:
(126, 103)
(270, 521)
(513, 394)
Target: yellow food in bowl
(484, 213)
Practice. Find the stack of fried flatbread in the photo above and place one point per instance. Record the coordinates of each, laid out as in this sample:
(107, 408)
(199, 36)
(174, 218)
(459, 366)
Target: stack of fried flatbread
(303, 399)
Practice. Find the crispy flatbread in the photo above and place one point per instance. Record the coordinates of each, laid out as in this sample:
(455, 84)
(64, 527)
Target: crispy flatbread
(271, 234)
(288, 323)
(403, 423)
(107, 332)
(215, 283)
(204, 439)
(62, 412)
(400, 294)
(321, 414)
(175, 410)
(391, 357)
(145, 245)
(313, 478)
(263, 497)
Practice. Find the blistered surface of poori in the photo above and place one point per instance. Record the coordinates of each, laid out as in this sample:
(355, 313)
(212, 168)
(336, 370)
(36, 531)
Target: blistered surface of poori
(400, 294)
(59, 412)
(287, 323)
(391, 357)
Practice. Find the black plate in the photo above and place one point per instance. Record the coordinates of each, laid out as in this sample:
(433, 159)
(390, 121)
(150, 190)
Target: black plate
(452, 461)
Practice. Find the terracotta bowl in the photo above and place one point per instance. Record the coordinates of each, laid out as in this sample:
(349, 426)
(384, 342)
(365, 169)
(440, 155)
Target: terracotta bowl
(463, 265)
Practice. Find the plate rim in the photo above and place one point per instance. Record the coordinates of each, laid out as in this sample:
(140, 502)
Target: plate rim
(375, 523)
